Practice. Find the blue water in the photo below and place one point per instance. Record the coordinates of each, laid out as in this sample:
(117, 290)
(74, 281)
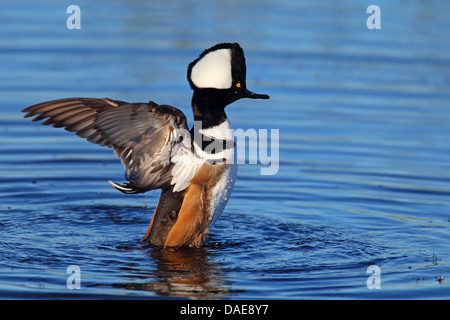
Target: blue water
(364, 170)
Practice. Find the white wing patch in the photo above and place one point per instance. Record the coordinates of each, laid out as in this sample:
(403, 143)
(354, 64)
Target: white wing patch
(185, 167)
(213, 70)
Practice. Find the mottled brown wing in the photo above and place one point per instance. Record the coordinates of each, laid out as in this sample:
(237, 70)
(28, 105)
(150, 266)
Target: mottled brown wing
(143, 135)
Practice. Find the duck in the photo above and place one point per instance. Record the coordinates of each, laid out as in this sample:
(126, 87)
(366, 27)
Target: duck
(195, 169)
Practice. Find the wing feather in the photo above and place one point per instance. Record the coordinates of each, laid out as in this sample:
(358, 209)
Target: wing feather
(149, 139)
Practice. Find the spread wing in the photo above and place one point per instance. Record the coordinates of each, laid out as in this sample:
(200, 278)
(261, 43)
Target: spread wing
(147, 137)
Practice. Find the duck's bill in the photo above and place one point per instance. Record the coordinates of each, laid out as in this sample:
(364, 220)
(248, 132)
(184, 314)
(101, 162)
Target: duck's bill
(252, 95)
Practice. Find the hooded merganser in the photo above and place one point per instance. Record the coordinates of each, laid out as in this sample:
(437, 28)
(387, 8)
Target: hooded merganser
(194, 169)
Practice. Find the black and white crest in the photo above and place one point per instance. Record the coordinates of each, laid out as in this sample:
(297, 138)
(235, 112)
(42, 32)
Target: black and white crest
(218, 67)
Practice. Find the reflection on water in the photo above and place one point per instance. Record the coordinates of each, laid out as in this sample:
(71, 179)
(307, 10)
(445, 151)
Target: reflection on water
(182, 272)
